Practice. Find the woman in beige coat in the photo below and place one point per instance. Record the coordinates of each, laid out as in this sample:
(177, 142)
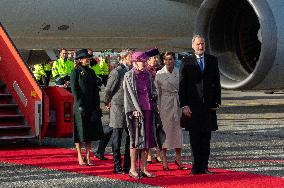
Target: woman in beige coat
(167, 83)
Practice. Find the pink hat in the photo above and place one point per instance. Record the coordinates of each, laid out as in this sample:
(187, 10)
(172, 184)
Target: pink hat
(139, 56)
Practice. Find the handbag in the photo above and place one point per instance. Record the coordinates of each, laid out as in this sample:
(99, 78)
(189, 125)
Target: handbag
(160, 133)
(184, 121)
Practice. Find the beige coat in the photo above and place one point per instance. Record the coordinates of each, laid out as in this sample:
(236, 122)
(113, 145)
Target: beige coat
(168, 104)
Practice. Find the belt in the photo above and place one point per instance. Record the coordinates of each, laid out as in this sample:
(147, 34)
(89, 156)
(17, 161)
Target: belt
(175, 96)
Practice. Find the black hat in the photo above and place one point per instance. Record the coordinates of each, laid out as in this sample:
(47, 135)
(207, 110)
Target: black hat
(152, 52)
(83, 53)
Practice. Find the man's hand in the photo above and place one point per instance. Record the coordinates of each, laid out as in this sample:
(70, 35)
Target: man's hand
(186, 111)
(216, 108)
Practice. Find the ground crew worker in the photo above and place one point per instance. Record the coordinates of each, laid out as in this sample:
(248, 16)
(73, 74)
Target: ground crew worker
(96, 68)
(62, 68)
(39, 73)
(102, 70)
(47, 69)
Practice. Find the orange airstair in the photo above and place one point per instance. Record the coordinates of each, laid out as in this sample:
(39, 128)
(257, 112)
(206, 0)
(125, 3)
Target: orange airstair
(24, 105)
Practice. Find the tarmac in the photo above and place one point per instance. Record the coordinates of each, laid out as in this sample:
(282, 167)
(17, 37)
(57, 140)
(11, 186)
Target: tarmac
(250, 139)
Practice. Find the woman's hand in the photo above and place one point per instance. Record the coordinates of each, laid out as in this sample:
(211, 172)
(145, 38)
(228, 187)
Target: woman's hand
(186, 111)
(136, 114)
(82, 111)
(108, 106)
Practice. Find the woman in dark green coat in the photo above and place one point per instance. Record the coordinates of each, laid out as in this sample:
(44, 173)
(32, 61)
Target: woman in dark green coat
(87, 124)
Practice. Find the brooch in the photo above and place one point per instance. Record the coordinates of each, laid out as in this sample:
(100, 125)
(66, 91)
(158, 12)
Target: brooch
(82, 73)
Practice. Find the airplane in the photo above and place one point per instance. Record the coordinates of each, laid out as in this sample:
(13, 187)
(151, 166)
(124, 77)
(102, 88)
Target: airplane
(247, 36)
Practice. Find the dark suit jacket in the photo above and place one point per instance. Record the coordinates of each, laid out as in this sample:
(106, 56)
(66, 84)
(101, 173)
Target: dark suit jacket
(200, 91)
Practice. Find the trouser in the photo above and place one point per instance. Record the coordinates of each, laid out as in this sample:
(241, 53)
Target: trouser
(103, 143)
(200, 150)
(61, 80)
(47, 78)
(104, 79)
(40, 81)
(116, 144)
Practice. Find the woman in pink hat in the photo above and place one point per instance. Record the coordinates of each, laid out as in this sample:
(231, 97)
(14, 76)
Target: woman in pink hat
(139, 90)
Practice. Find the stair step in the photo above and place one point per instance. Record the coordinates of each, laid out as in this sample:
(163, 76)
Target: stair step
(17, 137)
(14, 130)
(8, 105)
(9, 111)
(11, 119)
(3, 127)
(5, 98)
(11, 116)
(5, 95)
(2, 85)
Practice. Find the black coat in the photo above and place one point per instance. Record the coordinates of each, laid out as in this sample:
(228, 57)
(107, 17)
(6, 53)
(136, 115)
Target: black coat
(200, 91)
(88, 124)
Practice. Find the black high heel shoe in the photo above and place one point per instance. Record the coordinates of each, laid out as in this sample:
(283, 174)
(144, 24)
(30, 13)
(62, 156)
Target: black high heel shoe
(88, 161)
(133, 176)
(148, 175)
(180, 166)
(166, 168)
(84, 162)
(157, 160)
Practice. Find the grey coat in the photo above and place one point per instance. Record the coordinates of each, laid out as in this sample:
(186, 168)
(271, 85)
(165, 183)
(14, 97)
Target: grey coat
(131, 104)
(114, 95)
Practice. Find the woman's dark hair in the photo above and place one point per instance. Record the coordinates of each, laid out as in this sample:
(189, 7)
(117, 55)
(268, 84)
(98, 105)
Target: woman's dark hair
(169, 53)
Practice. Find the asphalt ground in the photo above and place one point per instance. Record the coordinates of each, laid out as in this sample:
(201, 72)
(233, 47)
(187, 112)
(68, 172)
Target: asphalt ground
(250, 139)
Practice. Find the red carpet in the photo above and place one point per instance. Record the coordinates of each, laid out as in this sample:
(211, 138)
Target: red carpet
(65, 160)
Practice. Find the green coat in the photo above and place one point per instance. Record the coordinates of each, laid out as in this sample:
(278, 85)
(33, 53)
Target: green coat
(87, 125)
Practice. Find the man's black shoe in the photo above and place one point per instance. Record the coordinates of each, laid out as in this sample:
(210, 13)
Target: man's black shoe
(207, 172)
(126, 170)
(118, 171)
(194, 173)
(101, 157)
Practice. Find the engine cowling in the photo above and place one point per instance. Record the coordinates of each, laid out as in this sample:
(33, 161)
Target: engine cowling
(248, 39)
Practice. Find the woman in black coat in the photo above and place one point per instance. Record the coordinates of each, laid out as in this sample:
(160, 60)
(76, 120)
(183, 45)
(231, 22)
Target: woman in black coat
(87, 124)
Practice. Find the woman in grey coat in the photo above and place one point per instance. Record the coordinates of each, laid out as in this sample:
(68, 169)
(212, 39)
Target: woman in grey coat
(139, 90)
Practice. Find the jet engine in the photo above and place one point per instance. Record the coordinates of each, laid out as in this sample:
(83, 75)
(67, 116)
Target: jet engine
(247, 36)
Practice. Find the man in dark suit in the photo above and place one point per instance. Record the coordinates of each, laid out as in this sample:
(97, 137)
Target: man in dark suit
(114, 99)
(200, 97)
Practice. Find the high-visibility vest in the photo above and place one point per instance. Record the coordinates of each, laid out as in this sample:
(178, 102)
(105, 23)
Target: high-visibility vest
(62, 68)
(38, 72)
(104, 67)
(97, 69)
(47, 67)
